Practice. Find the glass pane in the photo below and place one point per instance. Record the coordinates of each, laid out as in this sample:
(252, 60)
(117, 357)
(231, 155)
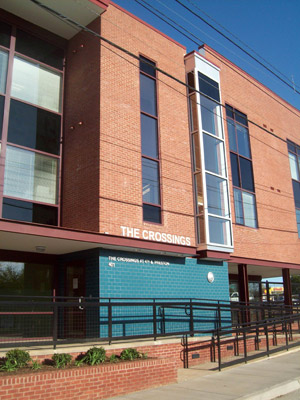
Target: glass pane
(149, 136)
(5, 32)
(294, 166)
(147, 66)
(200, 221)
(150, 182)
(241, 118)
(196, 152)
(193, 112)
(214, 155)
(238, 206)
(217, 197)
(296, 188)
(235, 170)
(36, 85)
(291, 147)
(210, 117)
(243, 141)
(231, 135)
(3, 70)
(209, 87)
(249, 209)
(1, 114)
(298, 221)
(229, 111)
(219, 231)
(32, 127)
(25, 279)
(199, 192)
(30, 176)
(148, 95)
(38, 49)
(23, 211)
(151, 214)
(246, 174)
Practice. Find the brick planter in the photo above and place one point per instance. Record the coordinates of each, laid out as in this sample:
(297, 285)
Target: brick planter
(89, 383)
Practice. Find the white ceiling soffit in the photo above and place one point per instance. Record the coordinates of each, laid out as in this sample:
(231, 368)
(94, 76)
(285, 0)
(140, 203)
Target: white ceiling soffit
(81, 11)
(264, 272)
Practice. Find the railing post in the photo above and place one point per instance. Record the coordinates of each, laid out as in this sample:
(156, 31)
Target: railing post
(267, 339)
(219, 348)
(286, 335)
(191, 318)
(154, 320)
(245, 344)
(109, 322)
(55, 324)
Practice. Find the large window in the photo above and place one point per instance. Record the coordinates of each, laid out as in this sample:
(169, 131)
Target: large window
(294, 158)
(31, 73)
(241, 167)
(150, 150)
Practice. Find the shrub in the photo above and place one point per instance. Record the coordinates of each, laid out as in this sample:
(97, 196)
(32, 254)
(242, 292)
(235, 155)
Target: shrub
(130, 354)
(35, 365)
(94, 356)
(61, 360)
(113, 358)
(20, 358)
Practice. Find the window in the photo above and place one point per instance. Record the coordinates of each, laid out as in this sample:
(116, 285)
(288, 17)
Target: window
(294, 158)
(30, 141)
(241, 167)
(149, 135)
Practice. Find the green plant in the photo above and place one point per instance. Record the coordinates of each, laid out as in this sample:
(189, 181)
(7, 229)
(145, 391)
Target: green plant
(8, 366)
(61, 360)
(20, 358)
(35, 365)
(130, 354)
(94, 356)
(113, 358)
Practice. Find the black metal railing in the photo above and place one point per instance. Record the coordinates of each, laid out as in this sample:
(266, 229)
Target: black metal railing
(57, 320)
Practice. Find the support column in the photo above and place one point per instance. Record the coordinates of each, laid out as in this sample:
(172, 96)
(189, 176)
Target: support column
(244, 291)
(287, 286)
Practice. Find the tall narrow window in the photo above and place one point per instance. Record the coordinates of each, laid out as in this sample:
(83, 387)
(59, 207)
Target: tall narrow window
(150, 150)
(241, 167)
(30, 141)
(294, 158)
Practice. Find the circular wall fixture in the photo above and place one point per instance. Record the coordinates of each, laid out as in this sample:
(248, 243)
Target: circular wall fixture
(210, 277)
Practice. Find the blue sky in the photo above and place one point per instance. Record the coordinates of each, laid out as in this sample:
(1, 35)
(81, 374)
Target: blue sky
(270, 27)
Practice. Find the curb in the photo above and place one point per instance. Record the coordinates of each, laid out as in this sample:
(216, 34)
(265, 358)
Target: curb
(274, 392)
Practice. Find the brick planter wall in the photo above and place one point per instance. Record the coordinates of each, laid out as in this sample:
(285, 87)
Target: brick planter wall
(89, 383)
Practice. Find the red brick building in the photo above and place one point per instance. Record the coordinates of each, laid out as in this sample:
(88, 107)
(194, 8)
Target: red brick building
(115, 179)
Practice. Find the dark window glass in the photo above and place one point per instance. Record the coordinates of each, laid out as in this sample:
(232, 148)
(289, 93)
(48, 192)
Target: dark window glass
(33, 127)
(151, 213)
(5, 33)
(235, 170)
(1, 114)
(238, 205)
(30, 212)
(243, 141)
(291, 147)
(147, 66)
(229, 111)
(148, 95)
(246, 174)
(209, 87)
(36, 48)
(149, 136)
(151, 192)
(241, 118)
(232, 135)
(296, 188)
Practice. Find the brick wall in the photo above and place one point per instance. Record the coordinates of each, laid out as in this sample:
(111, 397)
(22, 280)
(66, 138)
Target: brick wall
(89, 383)
(277, 238)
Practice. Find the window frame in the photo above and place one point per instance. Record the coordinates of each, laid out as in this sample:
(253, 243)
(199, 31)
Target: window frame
(12, 53)
(147, 157)
(295, 153)
(235, 122)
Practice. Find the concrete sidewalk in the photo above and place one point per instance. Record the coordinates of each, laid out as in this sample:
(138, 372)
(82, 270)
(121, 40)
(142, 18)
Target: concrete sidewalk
(264, 379)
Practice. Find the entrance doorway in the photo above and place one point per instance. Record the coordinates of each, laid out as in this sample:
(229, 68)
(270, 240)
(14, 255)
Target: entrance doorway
(75, 316)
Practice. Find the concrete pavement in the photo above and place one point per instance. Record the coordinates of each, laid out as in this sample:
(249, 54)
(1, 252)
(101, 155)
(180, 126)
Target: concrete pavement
(264, 379)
